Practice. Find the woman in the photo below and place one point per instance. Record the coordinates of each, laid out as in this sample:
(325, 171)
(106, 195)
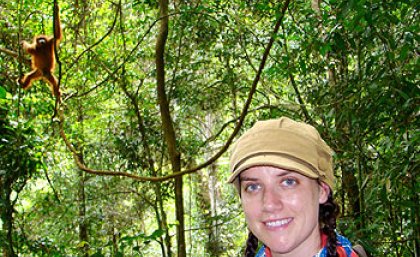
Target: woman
(283, 171)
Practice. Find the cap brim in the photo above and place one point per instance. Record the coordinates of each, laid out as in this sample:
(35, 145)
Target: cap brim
(276, 160)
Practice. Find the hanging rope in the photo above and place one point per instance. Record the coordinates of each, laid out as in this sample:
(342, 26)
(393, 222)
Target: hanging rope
(56, 30)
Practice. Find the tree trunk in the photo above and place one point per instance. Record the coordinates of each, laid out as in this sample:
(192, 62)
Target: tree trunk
(168, 129)
(81, 12)
(414, 198)
(83, 227)
(81, 199)
(162, 221)
(7, 217)
(349, 180)
(214, 247)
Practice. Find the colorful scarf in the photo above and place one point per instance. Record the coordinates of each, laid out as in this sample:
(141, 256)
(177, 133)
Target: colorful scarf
(344, 248)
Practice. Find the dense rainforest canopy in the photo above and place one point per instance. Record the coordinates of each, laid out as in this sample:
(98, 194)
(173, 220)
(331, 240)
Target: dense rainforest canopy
(134, 160)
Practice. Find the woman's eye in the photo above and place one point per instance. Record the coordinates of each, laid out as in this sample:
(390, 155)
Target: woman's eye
(252, 187)
(289, 182)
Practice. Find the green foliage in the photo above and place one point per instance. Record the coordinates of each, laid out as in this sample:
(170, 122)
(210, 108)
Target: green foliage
(2, 93)
(351, 69)
(20, 158)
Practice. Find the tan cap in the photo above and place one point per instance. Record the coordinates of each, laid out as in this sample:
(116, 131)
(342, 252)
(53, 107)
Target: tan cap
(286, 144)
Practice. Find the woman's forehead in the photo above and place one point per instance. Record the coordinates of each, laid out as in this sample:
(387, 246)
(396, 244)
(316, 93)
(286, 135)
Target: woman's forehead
(259, 172)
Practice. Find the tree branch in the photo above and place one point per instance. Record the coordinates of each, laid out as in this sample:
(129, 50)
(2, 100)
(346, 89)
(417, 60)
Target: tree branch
(9, 52)
(212, 159)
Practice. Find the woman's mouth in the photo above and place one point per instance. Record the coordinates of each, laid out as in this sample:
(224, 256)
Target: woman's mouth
(277, 223)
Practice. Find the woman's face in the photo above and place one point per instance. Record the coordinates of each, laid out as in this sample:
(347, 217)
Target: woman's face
(281, 209)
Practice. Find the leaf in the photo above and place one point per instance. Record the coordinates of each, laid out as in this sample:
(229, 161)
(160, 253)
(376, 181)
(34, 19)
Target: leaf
(404, 52)
(325, 49)
(97, 254)
(302, 65)
(82, 244)
(157, 233)
(132, 238)
(339, 41)
(406, 203)
(402, 94)
(2, 93)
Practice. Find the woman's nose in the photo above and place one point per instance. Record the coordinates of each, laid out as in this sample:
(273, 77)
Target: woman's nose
(271, 200)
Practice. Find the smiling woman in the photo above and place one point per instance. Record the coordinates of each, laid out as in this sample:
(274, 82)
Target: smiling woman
(283, 171)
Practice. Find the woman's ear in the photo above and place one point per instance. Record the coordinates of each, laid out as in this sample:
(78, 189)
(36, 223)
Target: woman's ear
(324, 192)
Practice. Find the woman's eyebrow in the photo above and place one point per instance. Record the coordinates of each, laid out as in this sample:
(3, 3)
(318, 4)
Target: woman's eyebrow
(248, 179)
(284, 173)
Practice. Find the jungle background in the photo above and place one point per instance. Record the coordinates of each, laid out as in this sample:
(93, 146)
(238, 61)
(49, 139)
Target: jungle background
(134, 161)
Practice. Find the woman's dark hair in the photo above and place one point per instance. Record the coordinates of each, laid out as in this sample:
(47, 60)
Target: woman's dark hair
(251, 245)
(328, 213)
